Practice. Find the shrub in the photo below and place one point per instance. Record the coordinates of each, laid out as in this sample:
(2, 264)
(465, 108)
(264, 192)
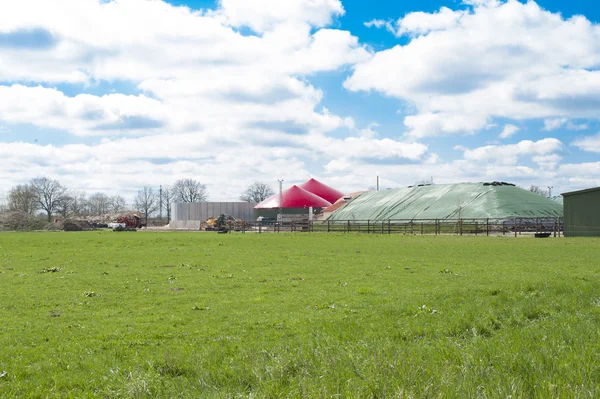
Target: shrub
(21, 221)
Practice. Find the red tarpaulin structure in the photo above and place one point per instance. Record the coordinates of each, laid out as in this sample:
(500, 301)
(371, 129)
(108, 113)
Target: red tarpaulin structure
(327, 193)
(294, 197)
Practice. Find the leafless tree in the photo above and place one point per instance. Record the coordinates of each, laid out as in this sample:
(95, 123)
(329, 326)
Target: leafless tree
(146, 202)
(23, 198)
(99, 204)
(257, 192)
(78, 203)
(117, 203)
(49, 194)
(189, 190)
(167, 200)
(539, 190)
(64, 205)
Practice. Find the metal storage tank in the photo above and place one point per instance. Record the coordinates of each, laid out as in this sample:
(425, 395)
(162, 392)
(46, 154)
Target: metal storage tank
(582, 213)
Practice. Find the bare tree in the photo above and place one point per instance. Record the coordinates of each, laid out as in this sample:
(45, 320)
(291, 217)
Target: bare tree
(64, 205)
(23, 198)
(146, 202)
(117, 203)
(167, 200)
(539, 190)
(99, 204)
(257, 192)
(78, 203)
(49, 194)
(189, 190)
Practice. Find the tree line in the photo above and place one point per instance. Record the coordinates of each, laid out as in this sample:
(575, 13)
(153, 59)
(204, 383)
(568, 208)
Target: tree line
(50, 197)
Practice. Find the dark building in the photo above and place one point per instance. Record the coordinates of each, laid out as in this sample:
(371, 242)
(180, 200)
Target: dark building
(582, 213)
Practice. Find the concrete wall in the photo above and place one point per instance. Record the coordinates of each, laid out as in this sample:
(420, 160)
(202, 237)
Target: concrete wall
(190, 215)
(582, 213)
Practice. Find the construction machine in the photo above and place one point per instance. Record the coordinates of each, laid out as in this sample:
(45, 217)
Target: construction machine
(223, 224)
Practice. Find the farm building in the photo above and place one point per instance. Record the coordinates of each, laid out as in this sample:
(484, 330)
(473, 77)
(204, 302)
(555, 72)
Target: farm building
(449, 201)
(293, 201)
(582, 213)
(191, 215)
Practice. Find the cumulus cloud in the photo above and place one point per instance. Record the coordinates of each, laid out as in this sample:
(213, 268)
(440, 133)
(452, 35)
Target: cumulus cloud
(472, 66)
(201, 85)
(421, 23)
(262, 15)
(224, 94)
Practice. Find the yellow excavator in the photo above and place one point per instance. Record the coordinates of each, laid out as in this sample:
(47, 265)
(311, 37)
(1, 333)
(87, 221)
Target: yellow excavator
(223, 224)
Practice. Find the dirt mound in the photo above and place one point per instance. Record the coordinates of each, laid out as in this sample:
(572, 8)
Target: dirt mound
(77, 225)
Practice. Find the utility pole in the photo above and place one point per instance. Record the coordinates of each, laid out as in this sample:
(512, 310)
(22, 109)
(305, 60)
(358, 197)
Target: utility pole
(378, 183)
(550, 191)
(280, 199)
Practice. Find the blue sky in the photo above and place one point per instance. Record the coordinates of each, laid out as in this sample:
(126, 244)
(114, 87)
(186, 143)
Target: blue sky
(111, 96)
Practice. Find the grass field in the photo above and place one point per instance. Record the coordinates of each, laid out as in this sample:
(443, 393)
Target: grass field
(201, 315)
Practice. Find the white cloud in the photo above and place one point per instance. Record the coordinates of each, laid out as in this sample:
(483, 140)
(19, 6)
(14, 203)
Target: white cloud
(442, 123)
(223, 95)
(554, 124)
(509, 154)
(377, 23)
(204, 86)
(508, 131)
(262, 15)
(547, 161)
(469, 67)
(421, 23)
(590, 143)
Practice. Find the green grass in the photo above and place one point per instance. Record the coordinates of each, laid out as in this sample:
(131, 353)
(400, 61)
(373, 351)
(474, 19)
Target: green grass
(202, 315)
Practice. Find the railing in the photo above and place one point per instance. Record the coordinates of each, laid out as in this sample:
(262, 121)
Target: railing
(489, 226)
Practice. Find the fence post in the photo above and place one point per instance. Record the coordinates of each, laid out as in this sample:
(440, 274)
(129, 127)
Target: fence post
(389, 227)
(460, 226)
(328, 225)
(348, 226)
(259, 227)
(515, 224)
(422, 228)
(368, 226)
(487, 226)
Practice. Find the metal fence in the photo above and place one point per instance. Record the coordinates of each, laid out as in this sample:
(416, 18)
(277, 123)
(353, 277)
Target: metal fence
(514, 226)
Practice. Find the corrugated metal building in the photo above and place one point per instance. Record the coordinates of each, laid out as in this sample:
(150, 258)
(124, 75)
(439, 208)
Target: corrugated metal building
(191, 215)
(582, 213)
